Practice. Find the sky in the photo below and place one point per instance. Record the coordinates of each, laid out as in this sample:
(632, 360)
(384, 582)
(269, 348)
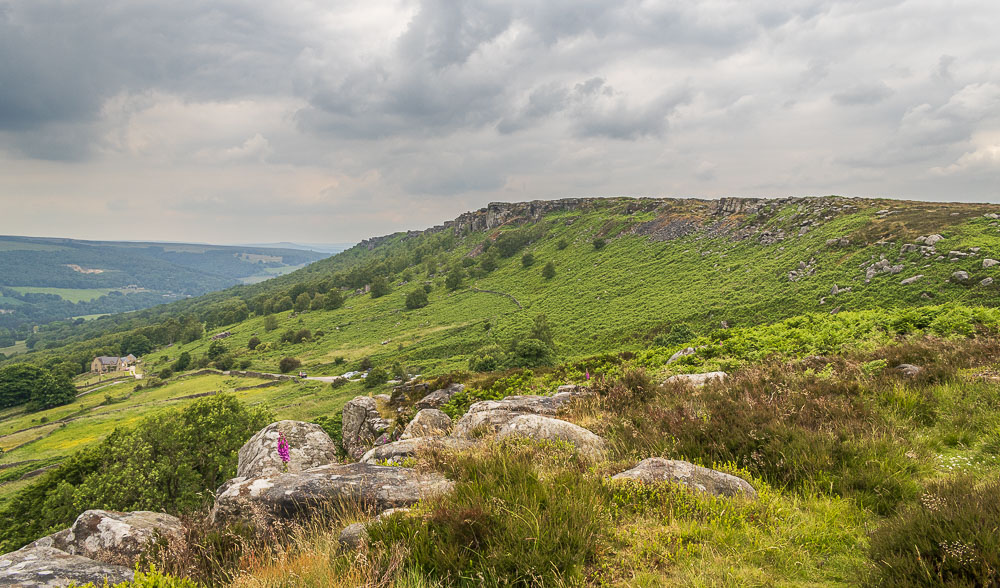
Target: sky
(332, 121)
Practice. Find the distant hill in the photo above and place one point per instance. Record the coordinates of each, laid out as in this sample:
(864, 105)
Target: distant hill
(45, 279)
(330, 248)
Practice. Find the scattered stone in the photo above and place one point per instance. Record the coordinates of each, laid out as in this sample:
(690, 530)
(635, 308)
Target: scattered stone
(390, 512)
(382, 399)
(118, 537)
(656, 470)
(354, 485)
(353, 536)
(309, 446)
(47, 567)
(909, 370)
(543, 428)
(960, 276)
(682, 353)
(989, 262)
(932, 239)
(361, 425)
(909, 248)
(835, 310)
(429, 422)
(697, 379)
(440, 397)
(911, 280)
(986, 281)
(397, 451)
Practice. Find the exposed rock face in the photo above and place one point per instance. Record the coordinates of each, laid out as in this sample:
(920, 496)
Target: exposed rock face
(429, 422)
(490, 415)
(656, 470)
(543, 428)
(118, 537)
(440, 397)
(353, 536)
(397, 451)
(56, 540)
(960, 276)
(36, 566)
(361, 425)
(292, 495)
(697, 379)
(309, 447)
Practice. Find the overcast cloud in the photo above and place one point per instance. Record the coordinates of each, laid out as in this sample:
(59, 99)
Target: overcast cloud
(329, 121)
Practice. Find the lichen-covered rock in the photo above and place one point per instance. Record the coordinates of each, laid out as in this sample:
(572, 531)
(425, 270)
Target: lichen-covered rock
(438, 398)
(361, 425)
(37, 567)
(932, 239)
(910, 280)
(989, 262)
(56, 540)
(309, 447)
(429, 422)
(697, 379)
(397, 451)
(353, 485)
(489, 415)
(353, 536)
(960, 276)
(656, 470)
(682, 353)
(985, 281)
(118, 537)
(543, 428)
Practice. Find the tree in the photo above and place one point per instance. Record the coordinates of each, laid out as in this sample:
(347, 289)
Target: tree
(542, 331)
(599, 244)
(135, 344)
(454, 279)
(182, 362)
(253, 343)
(36, 387)
(488, 263)
(527, 260)
(333, 300)
(379, 287)
(288, 364)
(270, 323)
(302, 302)
(283, 303)
(549, 271)
(416, 299)
(216, 350)
(531, 353)
(376, 377)
(318, 302)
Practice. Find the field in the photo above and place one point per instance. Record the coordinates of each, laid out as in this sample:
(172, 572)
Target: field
(68, 294)
(18, 347)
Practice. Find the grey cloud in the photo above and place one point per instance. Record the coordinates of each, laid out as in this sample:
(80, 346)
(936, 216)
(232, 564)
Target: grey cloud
(863, 94)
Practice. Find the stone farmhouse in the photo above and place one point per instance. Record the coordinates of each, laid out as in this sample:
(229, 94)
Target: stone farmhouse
(105, 364)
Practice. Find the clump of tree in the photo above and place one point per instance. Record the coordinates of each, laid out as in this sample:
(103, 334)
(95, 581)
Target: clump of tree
(379, 287)
(535, 348)
(549, 271)
(416, 299)
(455, 278)
(183, 361)
(527, 260)
(288, 364)
(34, 387)
(599, 244)
(270, 323)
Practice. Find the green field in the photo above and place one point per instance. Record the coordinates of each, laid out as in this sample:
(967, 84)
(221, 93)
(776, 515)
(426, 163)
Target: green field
(18, 347)
(68, 294)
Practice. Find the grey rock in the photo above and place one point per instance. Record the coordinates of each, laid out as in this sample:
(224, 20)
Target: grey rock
(895, 269)
(361, 425)
(986, 281)
(439, 397)
(909, 370)
(390, 512)
(38, 567)
(932, 239)
(909, 248)
(682, 353)
(911, 280)
(353, 536)
(543, 428)
(960, 276)
(989, 262)
(309, 447)
(397, 451)
(294, 495)
(696, 379)
(429, 422)
(657, 470)
(490, 415)
(57, 540)
(382, 399)
(118, 537)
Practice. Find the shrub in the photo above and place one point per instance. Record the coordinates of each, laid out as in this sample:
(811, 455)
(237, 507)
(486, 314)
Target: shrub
(365, 364)
(531, 353)
(599, 244)
(488, 359)
(302, 335)
(333, 300)
(216, 349)
(376, 377)
(428, 288)
(302, 302)
(562, 244)
(527, 260)
(270, 323)
(165, 373)
(675, 334)
(253, 343)
(224, 362)
(416, 299)
(333, 426)
(379, 287)
(454, 279)
(549, 271)
(949, 538)
(288, 364)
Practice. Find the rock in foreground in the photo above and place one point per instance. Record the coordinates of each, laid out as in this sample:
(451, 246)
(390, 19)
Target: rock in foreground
(697, 379)
(489, 415)
(309, 447)
(362, 425)
(294, 494)
(542, 428)
(36, 566)
(397, 451)
(656, 470)
(429, 422)
(118, 537)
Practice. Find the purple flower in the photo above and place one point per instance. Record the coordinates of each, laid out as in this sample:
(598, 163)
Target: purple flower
(283, 448)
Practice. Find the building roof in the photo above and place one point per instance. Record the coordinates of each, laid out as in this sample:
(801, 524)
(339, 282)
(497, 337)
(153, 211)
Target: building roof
(106, 360)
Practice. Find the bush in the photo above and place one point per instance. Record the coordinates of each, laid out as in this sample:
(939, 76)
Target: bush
(376, 377)
(527, 260)
(365, 364)
(253, 343)
(562, 244)
(270, 323)
(224, 362)
(949, 539)
(288, 364)
(675, 334)
(379, 287)
(416, 299)
(599, 244)
(333, 300)
(216, 349)
(549, 271)
(488, 359)
(454, 279)
(165, 373)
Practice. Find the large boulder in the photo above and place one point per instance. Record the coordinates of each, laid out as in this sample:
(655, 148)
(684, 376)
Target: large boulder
(438, 398)
(361, 425)
(309, 447)
(353, 485)
(353, 536)
(36, 566)
(489, 415)
(397, 451)
(543, 428)
(405, 392)
(960, 276)
(429, 422)
(118, 537)
(697, 379)
(656, 470)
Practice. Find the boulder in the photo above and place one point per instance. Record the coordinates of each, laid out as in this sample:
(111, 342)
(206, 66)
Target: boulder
(35, 566)
(908, 281)
(682, 353)
(985, 281)
(57, 540)
(697, 379)
(397, 451)
(909, 370)
(490, 415)
(309, 447)
(543, 428)
(405, 392)
(429, 422)
(361, 425)
(656, 470)
(438, 398)
(353, 536)
(932, 239)
(118, 537)
(989, 262)
(293, 495)
(960, 276)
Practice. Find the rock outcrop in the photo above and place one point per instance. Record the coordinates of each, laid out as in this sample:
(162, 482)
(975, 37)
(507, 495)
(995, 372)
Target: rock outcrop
(45, 567)
(309, 447)
(440, 397)
(697, 379)
(361, 425)
(656, 470)
(357, 484)
(489, 415)
(118, 537)
(397, 451)
(543, 428)
(429, 422)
